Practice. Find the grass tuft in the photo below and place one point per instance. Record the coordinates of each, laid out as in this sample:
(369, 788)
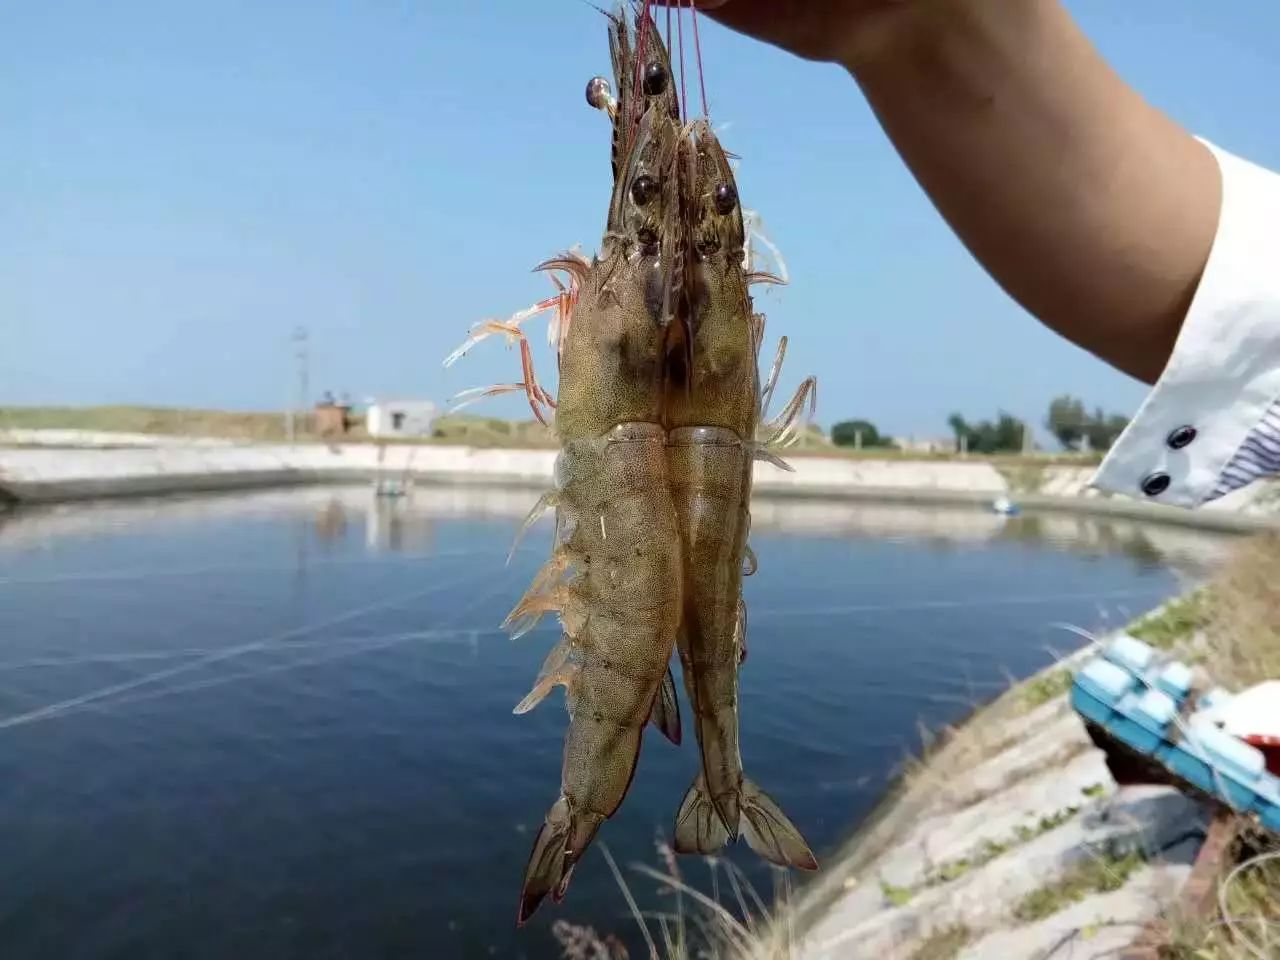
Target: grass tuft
(1241, 615)
(944, 944)
(1246, 923)
(894, 895)
(990, 850)
(698, 926)
(1046, 687)
(1176, 623)
(1099, 874)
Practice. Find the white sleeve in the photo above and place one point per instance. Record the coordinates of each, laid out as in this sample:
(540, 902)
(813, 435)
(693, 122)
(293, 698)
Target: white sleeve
(1212, 421)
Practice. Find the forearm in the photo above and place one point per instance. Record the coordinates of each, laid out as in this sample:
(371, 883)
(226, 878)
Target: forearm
(1089, 206)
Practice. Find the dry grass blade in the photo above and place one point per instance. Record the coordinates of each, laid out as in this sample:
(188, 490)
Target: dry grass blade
(631, 902)
(1239, 926)
(733, 868)
(669, 859)
(671, 948)
(786, 915)
(727, 922)
(1242, 614)
(747, 916)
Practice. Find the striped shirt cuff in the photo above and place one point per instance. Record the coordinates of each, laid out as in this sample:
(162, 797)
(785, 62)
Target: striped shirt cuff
(1211, 424)
(1258, 456)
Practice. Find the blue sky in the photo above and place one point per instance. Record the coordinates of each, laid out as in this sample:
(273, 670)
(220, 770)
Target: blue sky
(182, 184)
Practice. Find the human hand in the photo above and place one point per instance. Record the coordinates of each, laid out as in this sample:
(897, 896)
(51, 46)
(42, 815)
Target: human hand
(830, 30)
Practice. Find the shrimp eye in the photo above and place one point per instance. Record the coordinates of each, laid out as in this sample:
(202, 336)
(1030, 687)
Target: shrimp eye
(655, 79)
(599, 93)
(726, 197)
(648, 241)
(643, 189)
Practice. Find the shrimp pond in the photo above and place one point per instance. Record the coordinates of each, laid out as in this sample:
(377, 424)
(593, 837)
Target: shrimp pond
(278, 724)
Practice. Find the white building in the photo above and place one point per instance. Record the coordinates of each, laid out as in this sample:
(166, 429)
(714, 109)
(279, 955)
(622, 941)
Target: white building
(400, 418)
(925, 444)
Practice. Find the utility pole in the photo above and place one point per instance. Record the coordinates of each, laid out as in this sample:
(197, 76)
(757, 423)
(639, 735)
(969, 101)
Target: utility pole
(298, 408)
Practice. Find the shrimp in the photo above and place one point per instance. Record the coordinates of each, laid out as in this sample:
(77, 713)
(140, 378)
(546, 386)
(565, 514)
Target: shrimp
(614, 573)
(657, 411)
(715, 402)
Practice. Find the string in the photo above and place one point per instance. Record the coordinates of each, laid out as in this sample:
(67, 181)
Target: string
(65, 706)
(668, 6)
(668, 48)
(684, 93)
(697, 52)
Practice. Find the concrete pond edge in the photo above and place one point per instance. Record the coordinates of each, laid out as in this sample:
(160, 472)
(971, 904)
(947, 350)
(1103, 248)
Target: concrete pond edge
(45, 475)
(1011, 843)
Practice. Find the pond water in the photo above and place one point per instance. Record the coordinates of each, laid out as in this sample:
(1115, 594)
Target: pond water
(279, 725)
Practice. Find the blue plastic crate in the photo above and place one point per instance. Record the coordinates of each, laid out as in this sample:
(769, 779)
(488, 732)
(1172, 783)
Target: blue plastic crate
(1134, 734)
(1105, 681)
(1175, 680)
(1130, 653)
(1240, 796)
(1189, 767)
(1270, 816)
(1089, 706)
(1136, 698)
(1154, 710)
(1267, 805)
(1212, 764)
(1229, 754)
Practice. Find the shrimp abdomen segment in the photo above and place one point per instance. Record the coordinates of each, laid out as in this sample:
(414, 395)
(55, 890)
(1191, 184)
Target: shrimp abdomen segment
(710, 468)
(623, 549)
(707, 465)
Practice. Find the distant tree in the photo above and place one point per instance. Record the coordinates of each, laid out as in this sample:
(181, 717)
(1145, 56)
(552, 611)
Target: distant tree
(845, 434)
(1104, 429)
(1067, 420)
(1004, 434)
(1007, 433)
(1071, 424)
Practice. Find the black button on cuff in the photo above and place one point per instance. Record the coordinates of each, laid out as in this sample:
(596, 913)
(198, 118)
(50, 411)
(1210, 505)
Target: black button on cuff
(1154, 484)
(1180, 437)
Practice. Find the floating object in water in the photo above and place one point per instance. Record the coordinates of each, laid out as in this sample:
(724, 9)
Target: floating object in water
(1216, 743)
(1005, 506)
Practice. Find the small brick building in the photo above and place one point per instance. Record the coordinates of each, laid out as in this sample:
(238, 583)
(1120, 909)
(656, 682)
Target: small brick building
(332, 419)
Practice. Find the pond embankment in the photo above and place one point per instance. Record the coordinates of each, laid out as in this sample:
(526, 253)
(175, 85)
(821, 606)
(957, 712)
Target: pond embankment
(1010, 840)
(92, 466)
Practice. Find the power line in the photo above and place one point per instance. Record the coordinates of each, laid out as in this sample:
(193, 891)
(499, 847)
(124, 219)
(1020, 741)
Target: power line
(295, 417)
